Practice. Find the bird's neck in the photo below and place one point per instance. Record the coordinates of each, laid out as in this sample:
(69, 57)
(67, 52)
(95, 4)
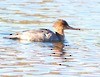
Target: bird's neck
(60, 31)
(60, 34)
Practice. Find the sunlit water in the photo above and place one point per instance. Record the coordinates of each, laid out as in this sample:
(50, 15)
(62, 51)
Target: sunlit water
(79, 56)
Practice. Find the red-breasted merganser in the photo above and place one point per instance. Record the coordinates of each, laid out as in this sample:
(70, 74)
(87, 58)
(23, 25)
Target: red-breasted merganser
(44, 35)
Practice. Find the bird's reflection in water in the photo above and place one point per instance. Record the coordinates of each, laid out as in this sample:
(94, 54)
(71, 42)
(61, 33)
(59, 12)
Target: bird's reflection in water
(57, 47)
(58, 50)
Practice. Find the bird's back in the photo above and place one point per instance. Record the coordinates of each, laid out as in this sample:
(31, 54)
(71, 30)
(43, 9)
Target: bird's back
(35, 35)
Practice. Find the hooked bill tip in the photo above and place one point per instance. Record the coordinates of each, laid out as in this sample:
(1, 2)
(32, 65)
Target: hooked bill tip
(10, 34)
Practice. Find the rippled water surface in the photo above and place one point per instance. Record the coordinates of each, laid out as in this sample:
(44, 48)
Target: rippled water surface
(78, 56)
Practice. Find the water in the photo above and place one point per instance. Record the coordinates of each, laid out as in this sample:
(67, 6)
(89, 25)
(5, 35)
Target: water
(79, 56)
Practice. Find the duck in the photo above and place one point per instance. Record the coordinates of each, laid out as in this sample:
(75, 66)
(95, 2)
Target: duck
(44, 35)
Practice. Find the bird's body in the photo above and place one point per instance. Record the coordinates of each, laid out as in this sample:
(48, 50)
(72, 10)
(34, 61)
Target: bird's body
(35, 35)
